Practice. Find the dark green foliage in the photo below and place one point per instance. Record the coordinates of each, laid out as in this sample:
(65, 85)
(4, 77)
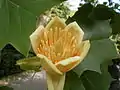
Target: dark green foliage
(90, 16)
(94, 29)
(82, 15)
(115, 85)
(93, 80)
(102, 12)
(9, 56)
(18, 21)
(73, 82)
(5, 88)
(114, 70)
(115, 23)
(95, 21)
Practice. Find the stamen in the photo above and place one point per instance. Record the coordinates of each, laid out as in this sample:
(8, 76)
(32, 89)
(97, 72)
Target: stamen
(72, 40)
(46, 53)
(73, 51)
(64, 38)
(60, 28)
(73, 45)
(63, 54)
(58, 54)
(52, 53)
(46, 49)
(39, 51)
(46, 38)
(58, 58)
(40, 46)
(55, 58)
(68, 40)
(45, 35)
(78, 53)
(51, 29)
(69, 34)
(58, 33)
(55, 34)
(43, 43)
(56, 28)
(75, 41)
(50, 37)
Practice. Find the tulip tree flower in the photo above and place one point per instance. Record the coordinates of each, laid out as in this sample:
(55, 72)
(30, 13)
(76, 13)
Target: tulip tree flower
(60, 48)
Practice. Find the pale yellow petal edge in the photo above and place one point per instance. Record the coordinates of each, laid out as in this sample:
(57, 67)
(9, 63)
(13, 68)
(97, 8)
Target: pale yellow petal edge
(75, 29)
(35, 38)
(48, 65)
(56, 22)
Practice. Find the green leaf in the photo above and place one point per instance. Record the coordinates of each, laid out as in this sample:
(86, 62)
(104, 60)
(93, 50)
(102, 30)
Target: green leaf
(73, 82)
(36, 6)
(96, 81)
(101, 12)
(89, 80)
(82, 15)
(5, 88)
(100, 51)
(18, 21)
(1, 2)
(94, 29)
(99, 30)
(31, 63)
(115, 24)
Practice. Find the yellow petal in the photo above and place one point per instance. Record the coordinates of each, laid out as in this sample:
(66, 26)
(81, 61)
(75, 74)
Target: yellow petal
(48, 65)
(84, 48)
(55, 82)
(70, 63)
(76, 31)
(55, 22)
(35, 38)
(54, 28)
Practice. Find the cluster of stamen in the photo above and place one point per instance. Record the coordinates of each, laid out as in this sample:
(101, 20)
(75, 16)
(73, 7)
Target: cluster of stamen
(58, 44)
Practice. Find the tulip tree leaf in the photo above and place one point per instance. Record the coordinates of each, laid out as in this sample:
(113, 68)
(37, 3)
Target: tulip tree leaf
(96, 81)
(36, 6)
(100, 51)
(89, 80)
(94, 29)
(93, 69)
(73, 82)
(31, 63)
(115, 24)
(92, 73)
(107, 13)
(18, 20)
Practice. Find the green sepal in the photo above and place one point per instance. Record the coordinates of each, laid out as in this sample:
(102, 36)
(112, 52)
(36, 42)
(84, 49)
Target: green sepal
(31, 63)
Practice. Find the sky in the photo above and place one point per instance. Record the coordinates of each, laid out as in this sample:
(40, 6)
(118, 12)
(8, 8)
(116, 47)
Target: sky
(75, 3)
(116, 1)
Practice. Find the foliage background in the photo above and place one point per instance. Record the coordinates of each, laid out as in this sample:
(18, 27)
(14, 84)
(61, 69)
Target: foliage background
(98, 21)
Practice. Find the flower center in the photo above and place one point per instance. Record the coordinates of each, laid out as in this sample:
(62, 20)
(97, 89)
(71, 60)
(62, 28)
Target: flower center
(58, 44)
